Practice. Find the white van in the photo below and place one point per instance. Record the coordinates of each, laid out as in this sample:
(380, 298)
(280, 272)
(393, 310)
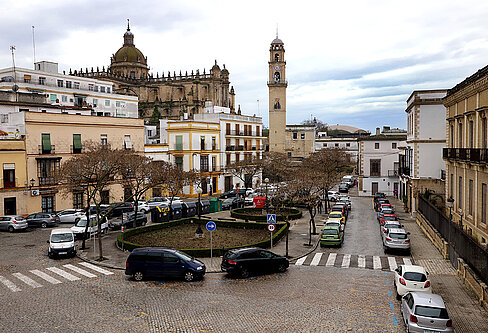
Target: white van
(79, 228)
(61, 243)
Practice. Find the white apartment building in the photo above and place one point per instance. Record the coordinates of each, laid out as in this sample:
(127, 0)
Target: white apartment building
(421, 166)
(379, 162)
(67, 93)
(350, 145)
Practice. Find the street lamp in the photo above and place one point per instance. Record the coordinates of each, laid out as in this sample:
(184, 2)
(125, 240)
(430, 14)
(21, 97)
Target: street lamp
(199, 191)
(266, 181)
(32, 182)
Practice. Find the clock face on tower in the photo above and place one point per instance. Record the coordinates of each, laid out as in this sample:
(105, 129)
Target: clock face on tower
(277, 68)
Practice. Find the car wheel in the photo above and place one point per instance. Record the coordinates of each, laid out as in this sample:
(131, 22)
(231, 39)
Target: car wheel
(189, 276)
(10, 229)
(143, 211)
(398, 297)
(282, 268)
(244, 273)
(43, 225)
(138, 276)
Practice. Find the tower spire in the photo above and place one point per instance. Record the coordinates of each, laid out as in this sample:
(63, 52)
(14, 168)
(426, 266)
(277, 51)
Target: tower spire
(276, 30)
(128, 27)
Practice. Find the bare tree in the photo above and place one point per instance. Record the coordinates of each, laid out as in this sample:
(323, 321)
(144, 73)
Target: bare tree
(246, 169)
(276, 166)
(177, 179)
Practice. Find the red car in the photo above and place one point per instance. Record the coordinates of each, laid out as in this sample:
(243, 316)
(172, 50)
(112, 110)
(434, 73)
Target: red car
(388, 217)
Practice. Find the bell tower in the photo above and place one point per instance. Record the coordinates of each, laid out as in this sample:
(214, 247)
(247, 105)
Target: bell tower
(277, 96)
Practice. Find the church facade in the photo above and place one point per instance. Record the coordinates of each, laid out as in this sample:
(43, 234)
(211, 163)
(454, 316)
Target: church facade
(171, 95)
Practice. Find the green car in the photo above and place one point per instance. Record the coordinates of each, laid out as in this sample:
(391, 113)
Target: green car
(331, 235)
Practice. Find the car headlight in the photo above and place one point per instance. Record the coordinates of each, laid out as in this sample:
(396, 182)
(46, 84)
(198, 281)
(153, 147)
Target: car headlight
(199, 268)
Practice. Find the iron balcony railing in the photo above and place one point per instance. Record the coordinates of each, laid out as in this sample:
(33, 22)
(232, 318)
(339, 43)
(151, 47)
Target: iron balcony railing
(393, 173)
(473, 155)
(242, 133)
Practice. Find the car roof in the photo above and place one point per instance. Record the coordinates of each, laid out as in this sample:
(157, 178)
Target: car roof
(61, 231)
(336, 220)
(414, 268)
(427, 299)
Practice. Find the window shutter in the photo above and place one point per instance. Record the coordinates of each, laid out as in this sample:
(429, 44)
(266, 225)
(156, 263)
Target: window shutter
(46, 142)
(127, 142)
(77, 141)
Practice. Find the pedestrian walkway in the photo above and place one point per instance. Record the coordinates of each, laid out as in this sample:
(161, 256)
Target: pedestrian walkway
(353, 261)
(38, 278)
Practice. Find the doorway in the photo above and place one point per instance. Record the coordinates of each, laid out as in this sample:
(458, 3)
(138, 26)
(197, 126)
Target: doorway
(10, 206)
(228, 183)
(374, 188)
(214, 185)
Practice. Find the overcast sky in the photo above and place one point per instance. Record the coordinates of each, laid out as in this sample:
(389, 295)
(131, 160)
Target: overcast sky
(351, 62)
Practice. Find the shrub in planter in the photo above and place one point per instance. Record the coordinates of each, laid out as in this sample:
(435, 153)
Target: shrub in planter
(259, 214)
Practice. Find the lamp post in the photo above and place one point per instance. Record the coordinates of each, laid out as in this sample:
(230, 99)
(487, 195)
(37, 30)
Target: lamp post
(32, 182)
(199, 191)
(266, 181)
(450, 203)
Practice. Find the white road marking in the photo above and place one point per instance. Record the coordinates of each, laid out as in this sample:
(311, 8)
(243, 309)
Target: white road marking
(316, 259)
(96, 268)
(361, 261)
(27, 280)
(44, 276)
(407, 261)
(9, 284)
(346, 261)
(392, 263)
(376, 262)
(300, 261)
(331, 260)
(80, 271)
(64, 274)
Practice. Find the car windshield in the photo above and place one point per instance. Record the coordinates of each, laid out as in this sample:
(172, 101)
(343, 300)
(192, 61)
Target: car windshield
(330, 232)
(415, 276)
(81, 223)
(184, 256)
(387, 211)
(335, 215)
(390, 218)
(427, 311)
(398, 236)
(60, 238)
(391, 225)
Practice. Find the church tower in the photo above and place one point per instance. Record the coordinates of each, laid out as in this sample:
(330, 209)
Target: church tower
(277, 96)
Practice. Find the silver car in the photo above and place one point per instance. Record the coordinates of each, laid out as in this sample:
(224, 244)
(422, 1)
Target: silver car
(425, 312)
(12, 223)
(397, 239)
(391, 224)
(70, 215)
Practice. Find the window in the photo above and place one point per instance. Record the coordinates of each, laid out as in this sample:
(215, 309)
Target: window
(53, 97)
(393, 145)
(277, 57)
(289, 154)
(324, 145)
(214, 143)
(68, 84)
(9, 175)
(96, 88)
(179, 142)
(460, 193)
(227, 159)
(42, 80)
(95, 102)
(27, 79)
(132, 75)
(107, 102)
(258, 131)
(375, 167)
(108, 90)
(46, 143)
(277, 77)
(179, 162)
(105, 197)
(78, 200)
(227, 128)
(46, 169)
(127, 142)
(103, 139)
(64, 98)
(237, 129)
(348, 144)
(483, 202)
(295, 135)
(60, 83)
(470, 198)
(471, 134)
(484, 136)
(91, 87)
(149, 133)
(102, 89)
(452, 136)
(377, 145)
(4, 118)
(202, 143)
(117, 104)
(336, 145)
(77, 147)
(452, 186)
(48, 204)
(460, 135)
(204, 163)
(214, 163)
(302, 136)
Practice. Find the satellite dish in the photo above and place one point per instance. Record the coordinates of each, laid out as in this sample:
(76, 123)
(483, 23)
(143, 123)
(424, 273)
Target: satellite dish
(15, 88)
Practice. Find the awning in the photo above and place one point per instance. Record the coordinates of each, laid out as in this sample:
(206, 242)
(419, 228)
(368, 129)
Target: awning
(77, 141)
(27, 77)
(46, 142)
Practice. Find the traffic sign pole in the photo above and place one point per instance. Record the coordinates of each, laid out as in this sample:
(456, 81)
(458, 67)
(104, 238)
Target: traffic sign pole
(211, 226)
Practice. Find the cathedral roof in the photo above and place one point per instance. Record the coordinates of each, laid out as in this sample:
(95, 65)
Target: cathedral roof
(277, 41)
(128, 52)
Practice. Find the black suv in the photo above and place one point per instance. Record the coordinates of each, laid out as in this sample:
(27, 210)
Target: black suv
(117, 209)
(245, 261)
(161, 262)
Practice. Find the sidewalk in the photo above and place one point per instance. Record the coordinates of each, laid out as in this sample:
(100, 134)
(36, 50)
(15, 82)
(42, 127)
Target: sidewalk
(466, 313)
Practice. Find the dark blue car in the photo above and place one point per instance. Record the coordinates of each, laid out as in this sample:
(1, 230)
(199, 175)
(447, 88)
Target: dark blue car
(161, 262)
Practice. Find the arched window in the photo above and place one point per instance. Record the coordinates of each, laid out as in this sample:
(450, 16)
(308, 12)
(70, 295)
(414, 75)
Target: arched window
(277, 77)
(277, 57)
(132, 75)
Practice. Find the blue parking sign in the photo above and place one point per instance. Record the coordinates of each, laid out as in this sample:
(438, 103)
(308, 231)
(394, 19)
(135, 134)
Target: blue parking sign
(271, 218)
(211, 226)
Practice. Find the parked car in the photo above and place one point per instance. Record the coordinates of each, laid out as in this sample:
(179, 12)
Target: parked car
(346, 201)
(384, 211)
(425, 312)
(118, 208)
(389, 225)
(70, 215)
(333, 195)
(378, 203)
(340, 208)
(396, 239)
(246, 261)
(343, 188)
(103, 209)
(378, 195)
(160, 262)
(61, 243)
(80, 226)
(411, 278)
(337, 215)
(336, 223)
(142, 207)
(12, 223)
(343, 204)
(331, 236)
(156, 201)
(127, 220)
(230, 203)
(388, 217)
(42, 220)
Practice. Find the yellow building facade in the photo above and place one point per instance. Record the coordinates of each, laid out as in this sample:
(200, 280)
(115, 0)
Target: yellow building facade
(14, 183)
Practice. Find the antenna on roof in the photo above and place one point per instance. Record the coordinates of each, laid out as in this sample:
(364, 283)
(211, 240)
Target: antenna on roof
(34, 45)
(276, 30)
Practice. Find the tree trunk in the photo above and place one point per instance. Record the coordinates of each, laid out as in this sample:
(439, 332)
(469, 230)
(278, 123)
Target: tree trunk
(312, 211)
(87, 214)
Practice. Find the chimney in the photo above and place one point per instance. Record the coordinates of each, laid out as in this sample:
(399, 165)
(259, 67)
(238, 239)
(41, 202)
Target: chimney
(377, 131)
(386, 128)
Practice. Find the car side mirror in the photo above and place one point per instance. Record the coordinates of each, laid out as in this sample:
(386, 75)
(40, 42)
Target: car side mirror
(402, 225)
(408, 233)
(47, 242)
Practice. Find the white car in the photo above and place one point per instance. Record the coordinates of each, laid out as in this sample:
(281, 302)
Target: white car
(142, 207)
(156, 201)
(79, 228)
(61, 243)
(70, 215)
(333, 195)
(411, 278)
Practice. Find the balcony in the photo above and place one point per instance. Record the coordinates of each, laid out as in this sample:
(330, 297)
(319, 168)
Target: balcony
(43, 151)
(230, 148)
(393, 173)
(405, 171)
(47, 181)
(472, 155)
(241, 133)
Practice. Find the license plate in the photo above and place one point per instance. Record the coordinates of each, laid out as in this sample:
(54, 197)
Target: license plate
(63, 252)
(330, 237)
(431, 331)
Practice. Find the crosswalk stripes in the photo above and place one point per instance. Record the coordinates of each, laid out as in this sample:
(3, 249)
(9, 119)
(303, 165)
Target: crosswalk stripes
(61, 275)
(352, 261)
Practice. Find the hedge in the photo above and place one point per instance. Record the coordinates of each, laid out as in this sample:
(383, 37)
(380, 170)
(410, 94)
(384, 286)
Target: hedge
(281, 227)
(242, 213)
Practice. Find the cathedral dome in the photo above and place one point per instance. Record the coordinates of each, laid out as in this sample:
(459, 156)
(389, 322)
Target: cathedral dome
(277, 41)
(129, 54)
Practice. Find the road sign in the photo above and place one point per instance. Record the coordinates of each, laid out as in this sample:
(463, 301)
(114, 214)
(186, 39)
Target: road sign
(211, 226)
(271, 218)
(395, 191)
(271, 227)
